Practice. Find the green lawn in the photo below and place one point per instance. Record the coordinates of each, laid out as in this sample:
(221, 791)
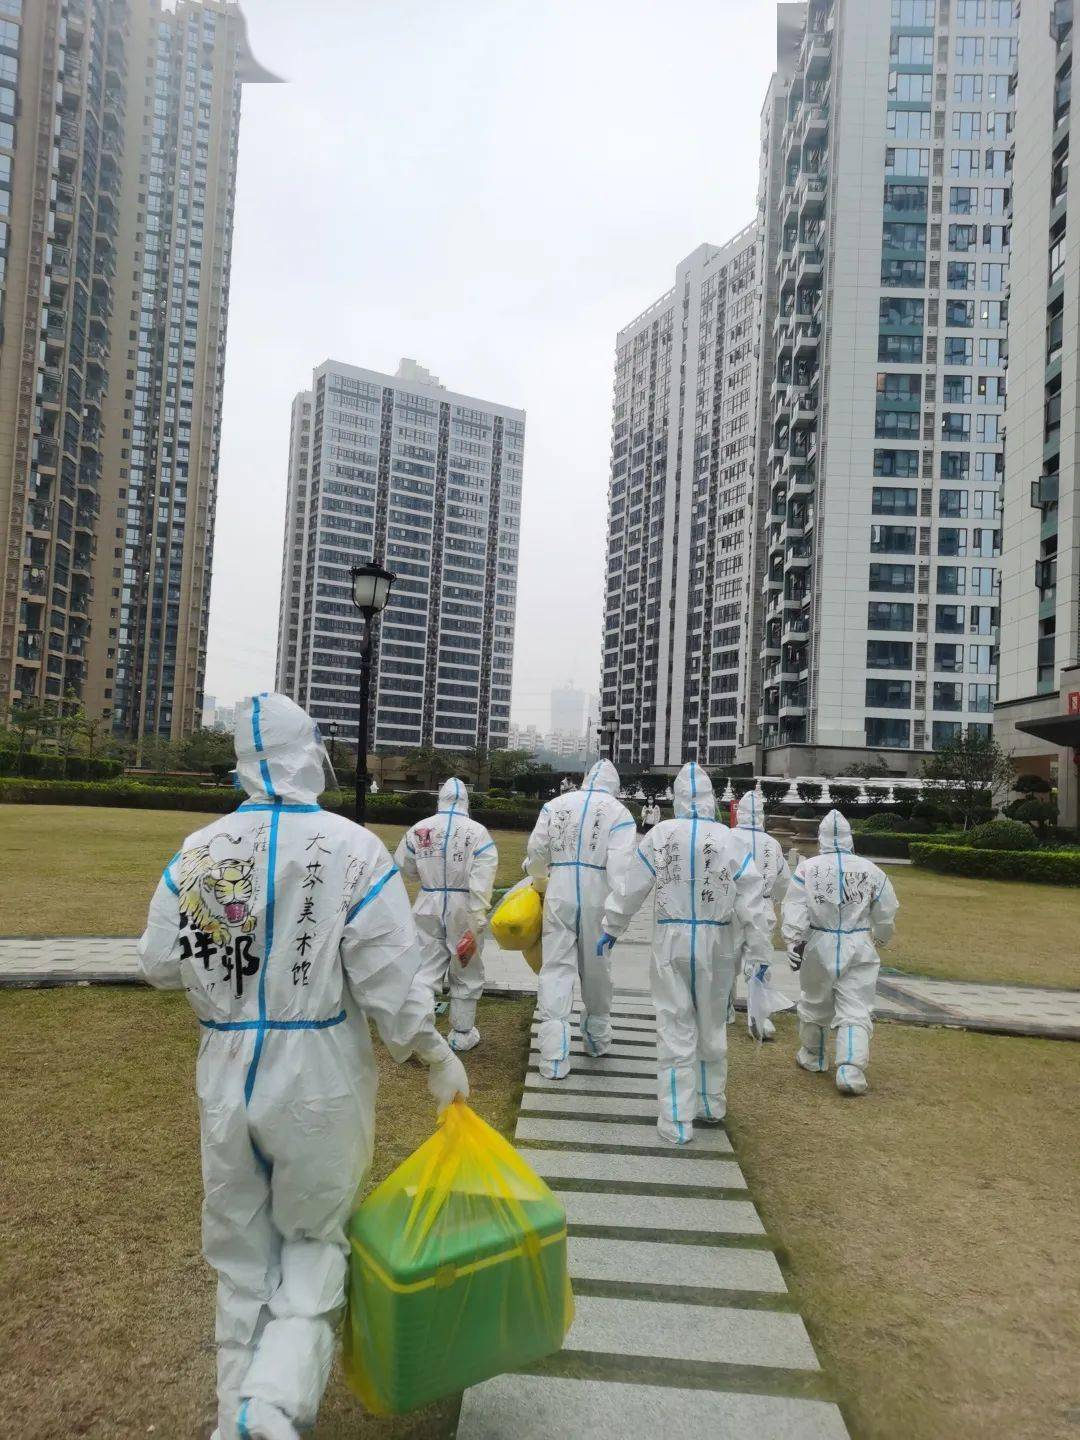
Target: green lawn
(111, 1333)
(88, 870)
(958, 929)
(930, 1231)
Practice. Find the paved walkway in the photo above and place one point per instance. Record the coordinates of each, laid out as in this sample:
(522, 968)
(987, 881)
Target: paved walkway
(684, 1323)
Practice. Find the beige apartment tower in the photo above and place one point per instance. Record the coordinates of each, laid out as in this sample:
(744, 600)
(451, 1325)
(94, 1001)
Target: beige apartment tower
(119, 123)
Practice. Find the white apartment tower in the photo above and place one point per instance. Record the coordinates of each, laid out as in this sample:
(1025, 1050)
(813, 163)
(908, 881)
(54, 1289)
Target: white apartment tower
(1038, 714)
(428, 483)
(887, 330)
(675, 673)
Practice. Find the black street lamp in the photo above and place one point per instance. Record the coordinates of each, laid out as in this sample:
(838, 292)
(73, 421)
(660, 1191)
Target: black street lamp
(332, 730)
(371, 586)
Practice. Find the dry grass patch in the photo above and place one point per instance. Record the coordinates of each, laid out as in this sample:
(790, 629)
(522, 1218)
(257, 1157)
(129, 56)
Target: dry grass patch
(111, 1333)
(90, 870)
(929, 1231)
(953, 928)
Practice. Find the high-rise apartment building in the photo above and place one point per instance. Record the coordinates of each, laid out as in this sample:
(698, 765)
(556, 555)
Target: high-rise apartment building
(884, 446)
(428, 483)
(1038, 713)
(118, 134)
(675, 661)
(567, 710)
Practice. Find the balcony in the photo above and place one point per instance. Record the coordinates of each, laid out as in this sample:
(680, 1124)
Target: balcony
(811, 260)
(816, 52)
(804, 406)
(799, 553)
(1044, 491)
(807, 337)
(794, 630)
(811, 194)
(1046, 573)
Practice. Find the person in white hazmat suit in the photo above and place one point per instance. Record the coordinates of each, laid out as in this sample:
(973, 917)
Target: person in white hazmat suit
(838, 907)
(749, 831)
(581, 842)
(289, 928)
(710, 916)
(455, 860)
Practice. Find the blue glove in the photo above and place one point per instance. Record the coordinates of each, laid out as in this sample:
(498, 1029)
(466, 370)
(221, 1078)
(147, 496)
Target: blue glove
(606, 942)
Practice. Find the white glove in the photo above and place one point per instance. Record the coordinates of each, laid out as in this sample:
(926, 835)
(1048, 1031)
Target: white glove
(447, 1081)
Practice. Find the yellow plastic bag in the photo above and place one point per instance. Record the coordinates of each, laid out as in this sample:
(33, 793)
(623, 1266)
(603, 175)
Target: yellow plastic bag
(518, 919)
(457, 1270)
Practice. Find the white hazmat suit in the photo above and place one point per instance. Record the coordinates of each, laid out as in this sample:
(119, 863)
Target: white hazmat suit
(710, 915)
(455, 860)
(288, 927)
(581, 843)
(749, 832)
(837, 907)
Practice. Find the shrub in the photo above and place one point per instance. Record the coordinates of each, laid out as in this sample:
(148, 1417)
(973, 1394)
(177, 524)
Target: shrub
(1031, 785)
(885, 847)
(883, 822)
(775, 791)
(843, 795)
(878, 794)
(740, 785)
(1003, 835)
(809, 791)
(421, 800)
(1033, 812)
(806, 812)
(1040, 867)
(932, 812)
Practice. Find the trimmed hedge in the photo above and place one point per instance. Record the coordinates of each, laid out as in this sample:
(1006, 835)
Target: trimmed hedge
(1007, 835)
(34, 764)
(212, 800)
(893, 846)
(1039, 867)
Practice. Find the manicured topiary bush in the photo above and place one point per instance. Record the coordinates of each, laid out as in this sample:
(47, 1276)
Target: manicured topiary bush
(1003, 835)
(809, 791)
(775, 791)
(841, 795)
(1040, 867)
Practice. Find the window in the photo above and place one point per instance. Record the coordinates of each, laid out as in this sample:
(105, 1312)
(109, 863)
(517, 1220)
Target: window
(951, 579)
(957, 350)
(980, 659)
(901, 463)
(908, 124)
(903, 274)
(996, 238)
(955, 465)
(903, 235)
(951, 541)
(949, 619)
(956, 390)
(960, 275)
(892, 539)
(887, 734)
(949, 658)
(904, 386)
(901, 195)
(981, 697)
(888, 655)
(983, 619)
(912, 49)
(888, 694)
(967, 87)
(891, 500)
(991, 352)
(970, 14)
(1057, 259)
(955, 426)
(993, 312)
(910, 87)
(996, 163)
(989, 466)
(890, 615)
(1002, 47)
(990, 390)
(900, 349)
(892, 577)
(913, 12)
(907, 160)
(982, 579)
(987, 428)
(996, 199)
(967, 124)
(969, 50)
(948, 696)
(903, 424)
(945, 732)
(952, 504)
(894, 311)
(963, 237)
(963, 162)
(963, 199)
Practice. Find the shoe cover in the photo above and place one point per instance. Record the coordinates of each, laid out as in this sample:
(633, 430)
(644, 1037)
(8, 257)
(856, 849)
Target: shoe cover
(464, 1040)
(259, 1420)
(850, 1080)
(670, 1135)
(806, 1061)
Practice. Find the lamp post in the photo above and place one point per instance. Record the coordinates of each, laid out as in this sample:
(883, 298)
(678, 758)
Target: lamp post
(371, 586)
(332, 730)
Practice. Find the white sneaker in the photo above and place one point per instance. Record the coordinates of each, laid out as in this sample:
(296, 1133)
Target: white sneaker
(850, 1080)
(462, 1040)
(806, 1061)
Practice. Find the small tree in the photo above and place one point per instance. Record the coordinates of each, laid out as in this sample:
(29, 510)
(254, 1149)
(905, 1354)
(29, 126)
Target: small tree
(95, 730)
(206, 750)
(967, 771)
(158, 753)
(775, 791)
(1031, 785)
(70, 722)
(841, 794)
(809, 792)
(28, 719)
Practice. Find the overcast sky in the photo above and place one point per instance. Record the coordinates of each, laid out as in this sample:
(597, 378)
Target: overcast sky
(494, 188)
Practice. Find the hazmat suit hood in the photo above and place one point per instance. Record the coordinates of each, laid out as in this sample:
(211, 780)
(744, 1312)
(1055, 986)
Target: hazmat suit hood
(750, 812)
(694, 794)
(453, 796)
(280, 756)
(834, 834)
(602, 776)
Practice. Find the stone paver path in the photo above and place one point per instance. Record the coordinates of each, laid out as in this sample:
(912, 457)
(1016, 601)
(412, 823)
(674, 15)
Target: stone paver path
(684, 1323)
(914, 1000)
